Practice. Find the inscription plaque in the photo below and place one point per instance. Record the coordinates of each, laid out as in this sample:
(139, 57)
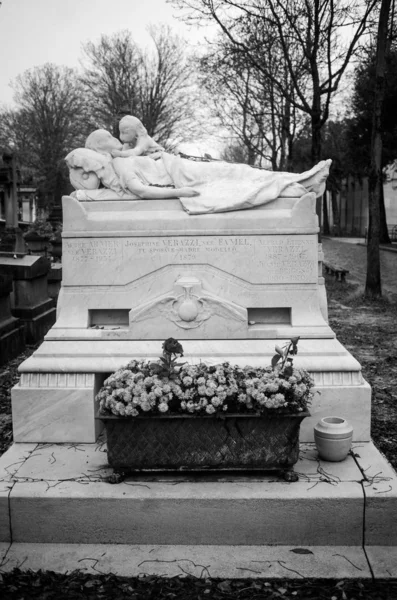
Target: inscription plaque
(256, 259)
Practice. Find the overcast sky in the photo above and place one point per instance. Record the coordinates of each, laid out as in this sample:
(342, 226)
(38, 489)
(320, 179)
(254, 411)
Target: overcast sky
(33, 32)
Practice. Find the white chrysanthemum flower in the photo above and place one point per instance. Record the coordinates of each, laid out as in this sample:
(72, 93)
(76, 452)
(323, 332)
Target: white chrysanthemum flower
(279, 399)
(145, 406)
(216, 401)
(120, 408)
(209, 409)
(272, 388)
(163, 407)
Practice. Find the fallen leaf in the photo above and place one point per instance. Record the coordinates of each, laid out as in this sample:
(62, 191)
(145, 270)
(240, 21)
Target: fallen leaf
(301, 551)
(224, 586)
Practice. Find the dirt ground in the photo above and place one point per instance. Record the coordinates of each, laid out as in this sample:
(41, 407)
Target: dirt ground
(369, 331)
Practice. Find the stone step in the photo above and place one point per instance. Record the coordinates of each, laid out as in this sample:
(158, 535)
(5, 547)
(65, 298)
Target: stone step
(223, 562)
(60, 494)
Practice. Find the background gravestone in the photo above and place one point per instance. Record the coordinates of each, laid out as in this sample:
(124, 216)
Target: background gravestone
(31, 303)
(12, 330)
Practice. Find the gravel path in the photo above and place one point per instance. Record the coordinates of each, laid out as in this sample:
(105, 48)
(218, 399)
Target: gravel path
(354, 258)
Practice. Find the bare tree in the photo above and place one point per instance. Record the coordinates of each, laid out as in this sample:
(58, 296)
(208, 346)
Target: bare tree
(247, 102)
(153, 84)
(311, 28)
(48, 122)
(373, 287)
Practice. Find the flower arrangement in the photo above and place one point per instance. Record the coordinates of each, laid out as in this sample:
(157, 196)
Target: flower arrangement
(171, 387)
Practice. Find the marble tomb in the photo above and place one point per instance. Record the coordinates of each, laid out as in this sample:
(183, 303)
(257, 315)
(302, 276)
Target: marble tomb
(228, 285)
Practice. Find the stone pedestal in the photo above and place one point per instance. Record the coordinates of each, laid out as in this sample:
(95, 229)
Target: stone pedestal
(12, 331)
(228, 286)
(31, 303)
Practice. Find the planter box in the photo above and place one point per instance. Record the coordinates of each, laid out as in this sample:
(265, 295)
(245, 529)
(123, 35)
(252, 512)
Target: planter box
(184, 442)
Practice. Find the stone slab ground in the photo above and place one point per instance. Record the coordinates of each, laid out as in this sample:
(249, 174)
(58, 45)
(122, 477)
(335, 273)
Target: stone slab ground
(59, 512)
(224, 562)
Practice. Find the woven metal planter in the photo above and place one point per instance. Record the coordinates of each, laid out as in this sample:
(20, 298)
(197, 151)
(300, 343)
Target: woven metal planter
(184, 442)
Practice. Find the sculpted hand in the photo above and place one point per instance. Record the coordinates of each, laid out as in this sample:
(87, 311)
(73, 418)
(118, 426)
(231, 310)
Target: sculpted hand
(186, 192)
(115, 153)
(156, 155)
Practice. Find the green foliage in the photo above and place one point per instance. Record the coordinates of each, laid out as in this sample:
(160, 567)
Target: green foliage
(57, 233)
(284, 355)
(168, 365)
(359, 130)
(41, 228)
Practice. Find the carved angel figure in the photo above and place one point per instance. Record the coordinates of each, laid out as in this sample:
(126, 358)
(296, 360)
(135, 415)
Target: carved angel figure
(203, 187)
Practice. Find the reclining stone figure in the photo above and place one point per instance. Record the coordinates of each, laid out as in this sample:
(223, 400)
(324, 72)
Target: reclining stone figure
(203, 187)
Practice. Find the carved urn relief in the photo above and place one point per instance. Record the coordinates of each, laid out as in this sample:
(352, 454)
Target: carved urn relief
(188, 306)
(188, 309)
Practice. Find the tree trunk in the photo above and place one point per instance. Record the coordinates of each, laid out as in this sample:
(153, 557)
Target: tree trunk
(335, 212)
(384, 234)
(326, 230)
(251, 155)
(373, 286)
(315, 156)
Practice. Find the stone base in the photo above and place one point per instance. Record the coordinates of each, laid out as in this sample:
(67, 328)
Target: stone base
(54, 401)
(59, 494)
(12, 340)
(55, 407)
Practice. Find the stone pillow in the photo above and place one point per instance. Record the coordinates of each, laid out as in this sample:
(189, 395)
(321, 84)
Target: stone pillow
(97, 166)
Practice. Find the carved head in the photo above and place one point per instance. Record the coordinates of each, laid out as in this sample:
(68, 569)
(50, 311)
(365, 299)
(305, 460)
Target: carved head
(102, 141)
(131, 129)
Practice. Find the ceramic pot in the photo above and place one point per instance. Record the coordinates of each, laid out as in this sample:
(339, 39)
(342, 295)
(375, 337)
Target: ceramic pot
(333, 437)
